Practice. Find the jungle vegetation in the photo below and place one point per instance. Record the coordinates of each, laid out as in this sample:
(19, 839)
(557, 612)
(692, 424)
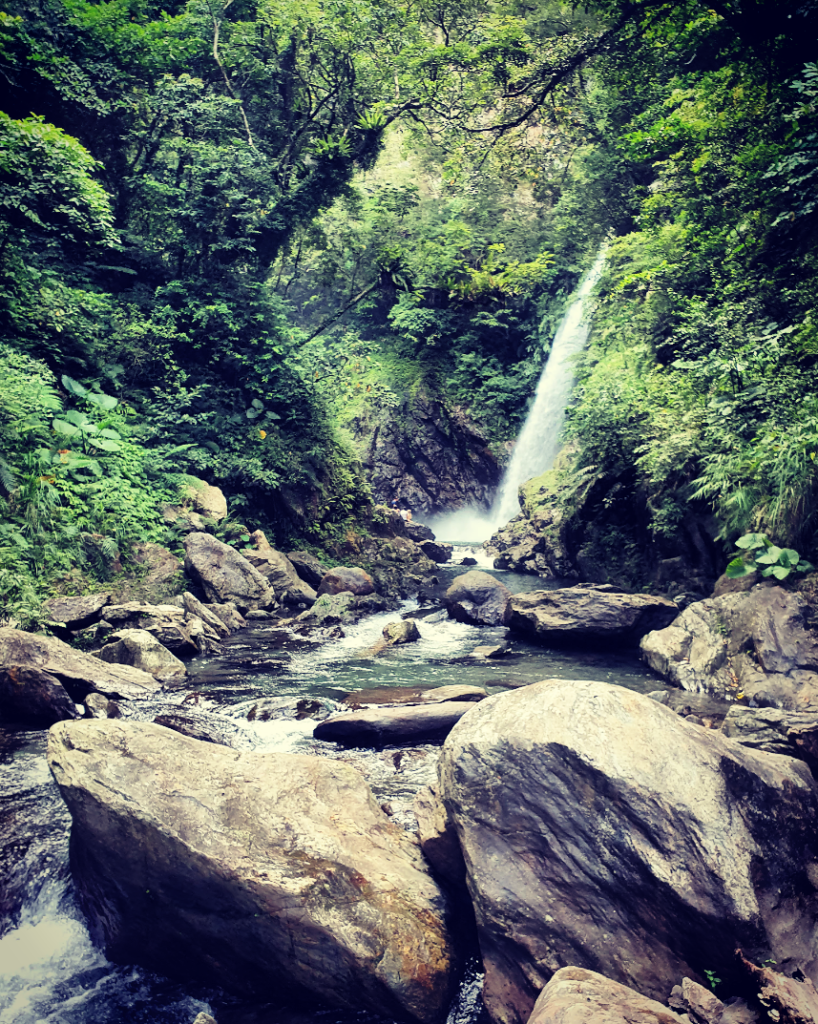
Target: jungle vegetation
(228, 228)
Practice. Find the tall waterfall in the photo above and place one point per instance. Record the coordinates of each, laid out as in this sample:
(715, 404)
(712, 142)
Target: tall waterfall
(539, 440)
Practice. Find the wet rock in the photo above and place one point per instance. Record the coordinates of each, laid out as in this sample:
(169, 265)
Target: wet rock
(413, 694)
(579, 996)
(279, 571)
(288, 709)
(345, 580)
(224, 574)
(43, 678)
(600, 830)
(431, 457)
(778, 732)
(491, 651)
(139, 648)
(76, 612)
(403, 632)
(437, 552)
(438, 838)
(479, 598)
(308, 567)
(205, 638)
(274, 876)
(596, 613)
(205, 726)
(374, 727)
(761, 643)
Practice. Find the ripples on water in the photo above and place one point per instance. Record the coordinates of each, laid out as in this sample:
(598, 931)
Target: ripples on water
(50, 970)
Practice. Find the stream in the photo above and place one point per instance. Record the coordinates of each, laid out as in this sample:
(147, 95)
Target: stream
(50, 970)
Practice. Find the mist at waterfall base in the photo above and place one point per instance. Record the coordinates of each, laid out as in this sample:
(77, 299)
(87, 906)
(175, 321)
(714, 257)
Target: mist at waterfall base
(539, 440)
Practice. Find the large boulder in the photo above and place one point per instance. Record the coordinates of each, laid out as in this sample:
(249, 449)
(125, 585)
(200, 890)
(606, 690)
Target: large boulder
(479, 598)
(224, 574)
(271, 875)
(76, 612)
(141, 649)
(346, 580)
(279, 572)
(600, 830)
(589, 613)
(761, 643)
(435, 550)
(579, 996)
(42, 678)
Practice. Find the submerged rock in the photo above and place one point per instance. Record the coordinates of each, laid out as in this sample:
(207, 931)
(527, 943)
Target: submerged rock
(479, 598)
(600, 830)
(596, 613)
(762, 643)
(271, 875)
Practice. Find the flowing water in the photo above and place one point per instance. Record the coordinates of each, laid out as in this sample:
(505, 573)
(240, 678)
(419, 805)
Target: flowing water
(50, 970)
(539, 440)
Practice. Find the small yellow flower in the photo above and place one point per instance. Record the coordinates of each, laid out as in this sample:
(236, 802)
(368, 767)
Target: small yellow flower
(262, 434)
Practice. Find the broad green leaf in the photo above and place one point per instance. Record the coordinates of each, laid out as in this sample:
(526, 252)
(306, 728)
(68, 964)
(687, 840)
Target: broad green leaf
(104, 444)
(105, 402)
(64, 428)
(781, 572)
(738, 568)
(73, 386)
(789, 556)
(769, 557)
(112, 434)
(79, 419)
(753, 540)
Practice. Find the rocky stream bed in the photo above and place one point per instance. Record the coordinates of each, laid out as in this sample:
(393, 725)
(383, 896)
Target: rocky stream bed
(480, 802)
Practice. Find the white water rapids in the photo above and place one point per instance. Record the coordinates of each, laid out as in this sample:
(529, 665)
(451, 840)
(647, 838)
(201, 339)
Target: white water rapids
(539, 440)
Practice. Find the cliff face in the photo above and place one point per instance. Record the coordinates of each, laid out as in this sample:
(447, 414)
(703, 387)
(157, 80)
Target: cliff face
(431, 457)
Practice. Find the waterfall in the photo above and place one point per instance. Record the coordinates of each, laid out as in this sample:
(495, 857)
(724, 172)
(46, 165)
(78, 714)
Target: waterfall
(539, 440)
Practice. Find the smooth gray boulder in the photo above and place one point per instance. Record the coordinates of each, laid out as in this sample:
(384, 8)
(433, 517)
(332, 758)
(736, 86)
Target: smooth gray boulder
(374, 727)
(279, 572)
(43, 678)
(346, 580)
(76, 612)
(589, 613)
(600, 830)
(479, 598)
(224, 574)
(579, 996)
(207, 499)
(760, 643)
(271, 875)
(139, 648)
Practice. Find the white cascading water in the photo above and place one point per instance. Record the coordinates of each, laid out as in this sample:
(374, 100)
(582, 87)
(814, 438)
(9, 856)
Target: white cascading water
(539, 440)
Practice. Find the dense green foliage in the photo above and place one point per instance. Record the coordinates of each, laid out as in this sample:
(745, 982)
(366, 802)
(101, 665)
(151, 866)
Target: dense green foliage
(229, 230)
